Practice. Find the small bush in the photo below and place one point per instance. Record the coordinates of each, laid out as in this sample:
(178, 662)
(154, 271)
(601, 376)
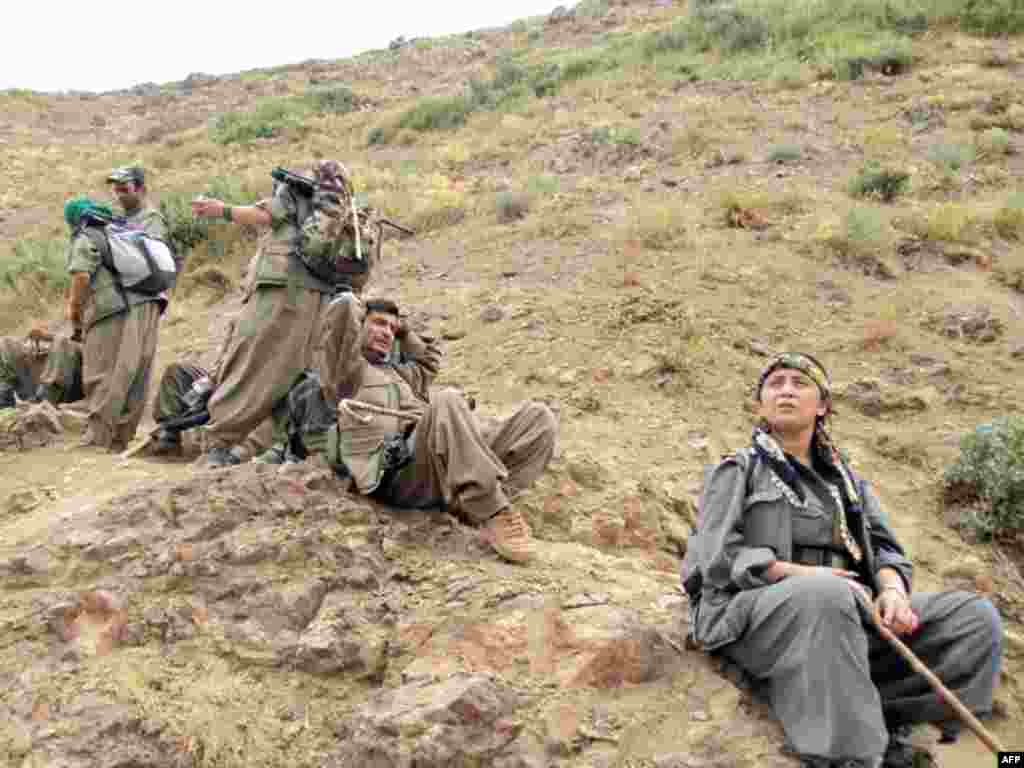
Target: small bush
(990, 473)
(727, 27)
(785, 153)
(993, 17)
(951, 157)
(875, 181)
(1009, 220)
(35, 266)
(336, 99)
(995, 142)
(543, 185)
(657, 226)
(377, 135)
(437, 113)
(511, 206)
(857, 242)
(269, 119)
(665, 41)
(186, 231)
(593, 9)
(951, 222)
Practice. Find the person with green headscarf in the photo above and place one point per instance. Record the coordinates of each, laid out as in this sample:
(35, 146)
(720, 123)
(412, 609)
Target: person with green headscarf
(119, 328)
(791, 556)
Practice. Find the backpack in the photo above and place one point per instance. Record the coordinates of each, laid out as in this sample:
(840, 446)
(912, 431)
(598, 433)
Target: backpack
(690, 576)
(139, 262)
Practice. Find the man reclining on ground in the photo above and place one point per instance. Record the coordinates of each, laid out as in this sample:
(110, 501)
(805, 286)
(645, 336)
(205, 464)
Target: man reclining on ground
(435, 453)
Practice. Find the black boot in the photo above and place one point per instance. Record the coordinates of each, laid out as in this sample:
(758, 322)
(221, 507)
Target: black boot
(168, 443)
(902, 753)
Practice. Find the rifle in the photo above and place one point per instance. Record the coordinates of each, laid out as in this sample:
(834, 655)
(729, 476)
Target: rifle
(304, 185)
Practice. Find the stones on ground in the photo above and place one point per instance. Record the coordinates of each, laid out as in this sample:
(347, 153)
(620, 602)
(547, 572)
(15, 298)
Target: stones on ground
(492, 313)
(461, 721)
(974, 322)
(29, 425)
(874, 399)
(93, 623)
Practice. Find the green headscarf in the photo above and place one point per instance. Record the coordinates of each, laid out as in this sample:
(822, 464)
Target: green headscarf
(77, 207)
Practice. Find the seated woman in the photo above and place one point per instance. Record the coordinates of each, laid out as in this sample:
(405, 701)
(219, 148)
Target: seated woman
(792, 554)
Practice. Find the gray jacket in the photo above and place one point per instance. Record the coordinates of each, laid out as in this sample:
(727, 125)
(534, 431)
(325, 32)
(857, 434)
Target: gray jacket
(729, 553)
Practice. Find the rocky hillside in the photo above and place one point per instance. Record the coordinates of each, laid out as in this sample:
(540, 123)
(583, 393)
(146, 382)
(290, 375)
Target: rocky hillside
(620, 209)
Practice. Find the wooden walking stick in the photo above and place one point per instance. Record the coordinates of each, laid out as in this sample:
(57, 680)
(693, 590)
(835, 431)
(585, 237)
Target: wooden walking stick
(944, 693)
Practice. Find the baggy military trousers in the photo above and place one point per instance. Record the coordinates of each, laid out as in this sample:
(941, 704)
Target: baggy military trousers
(118, 361)
(63, 370)
(471, 466)
(837, 686)
(275, 340)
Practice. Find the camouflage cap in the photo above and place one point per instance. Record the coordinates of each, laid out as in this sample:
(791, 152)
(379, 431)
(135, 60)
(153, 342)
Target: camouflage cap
(127, 174)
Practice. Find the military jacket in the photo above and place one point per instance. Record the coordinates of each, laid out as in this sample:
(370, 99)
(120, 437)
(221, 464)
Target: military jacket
(357, 441)
(749, 522)
(105, 299)
(278, 262)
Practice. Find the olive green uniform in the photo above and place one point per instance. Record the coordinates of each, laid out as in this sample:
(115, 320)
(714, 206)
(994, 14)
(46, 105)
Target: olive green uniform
(276, 333)
(121, 331)
(449, 458)
(178, 379)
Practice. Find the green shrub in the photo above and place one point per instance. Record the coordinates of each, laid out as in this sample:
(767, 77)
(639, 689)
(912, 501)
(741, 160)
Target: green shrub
(727, 27)
(665, 41)
(335, 99)
(592, 8)
(437, 113)
(36, 265)
(269, 119)
(993, 17)
(584, 66)
(545, 184)
(1009, 220)
(995, 142)
(990, 473)
(377, 135)
(951, 157)
(186, 231)
(785, 153)
(511, 206)
(874, 181)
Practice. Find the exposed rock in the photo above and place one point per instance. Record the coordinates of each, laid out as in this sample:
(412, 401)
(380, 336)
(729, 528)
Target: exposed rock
(974, 322)
(29, 425)
(492, 313)
(873, 399)
(461, 722)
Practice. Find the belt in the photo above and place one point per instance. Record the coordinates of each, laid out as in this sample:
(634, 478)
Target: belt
(825, 556)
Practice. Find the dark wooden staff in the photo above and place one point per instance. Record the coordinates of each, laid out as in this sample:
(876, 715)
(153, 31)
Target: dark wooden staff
(944, 693)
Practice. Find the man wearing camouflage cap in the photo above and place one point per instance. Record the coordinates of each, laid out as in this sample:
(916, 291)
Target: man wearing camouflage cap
(119, 327)
(128, 185)
(280, 322)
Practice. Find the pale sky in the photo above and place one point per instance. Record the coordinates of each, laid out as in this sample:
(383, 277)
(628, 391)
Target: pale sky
(56, 45)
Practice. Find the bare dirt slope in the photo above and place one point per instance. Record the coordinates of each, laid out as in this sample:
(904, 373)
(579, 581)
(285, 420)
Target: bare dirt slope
(250, 617)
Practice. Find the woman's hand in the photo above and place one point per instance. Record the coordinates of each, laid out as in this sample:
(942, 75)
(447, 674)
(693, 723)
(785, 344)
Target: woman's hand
(895, 612)
(781, 569)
